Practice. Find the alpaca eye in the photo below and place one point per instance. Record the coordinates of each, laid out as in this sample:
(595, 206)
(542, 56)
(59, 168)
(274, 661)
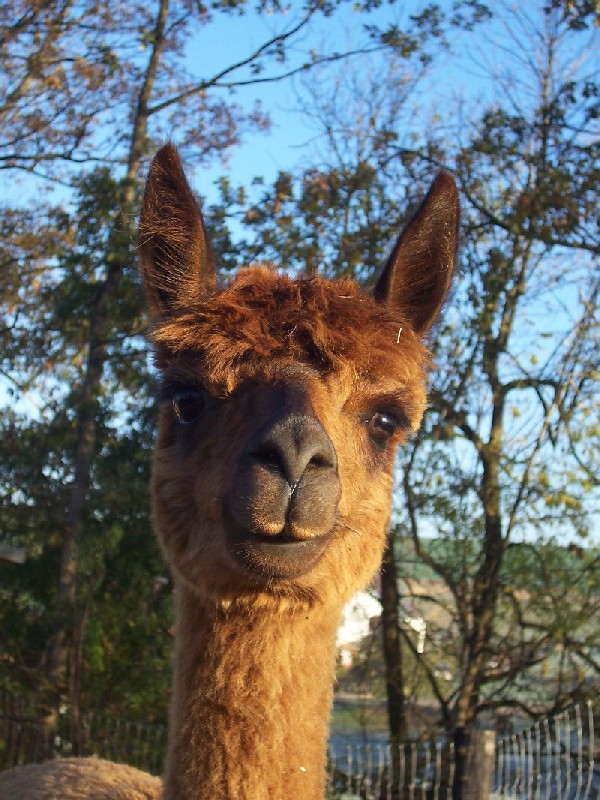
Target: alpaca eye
(382, 426)
(188, 406)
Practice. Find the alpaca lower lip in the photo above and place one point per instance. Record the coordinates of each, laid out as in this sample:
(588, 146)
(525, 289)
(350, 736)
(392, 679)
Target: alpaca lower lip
(276, 556)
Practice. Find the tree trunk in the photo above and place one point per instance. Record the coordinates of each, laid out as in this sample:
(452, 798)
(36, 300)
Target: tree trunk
(392, 650)
(475, 752)
(75, 517)
(99, 335)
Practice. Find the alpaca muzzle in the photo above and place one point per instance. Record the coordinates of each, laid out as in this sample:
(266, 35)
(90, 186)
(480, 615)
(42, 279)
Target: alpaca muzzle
(282, 503)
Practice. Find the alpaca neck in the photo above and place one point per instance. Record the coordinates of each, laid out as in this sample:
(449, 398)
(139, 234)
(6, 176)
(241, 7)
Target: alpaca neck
(251, 702)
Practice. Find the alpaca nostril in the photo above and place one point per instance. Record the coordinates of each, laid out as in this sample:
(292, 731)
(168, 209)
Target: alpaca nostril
(268, 456)
(321, 461)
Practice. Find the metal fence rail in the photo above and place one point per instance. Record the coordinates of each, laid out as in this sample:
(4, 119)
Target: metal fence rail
(424, 769)
(26, 737)
(554, 759)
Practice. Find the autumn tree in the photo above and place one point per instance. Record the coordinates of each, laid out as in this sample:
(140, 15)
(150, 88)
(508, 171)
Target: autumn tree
(517, 359)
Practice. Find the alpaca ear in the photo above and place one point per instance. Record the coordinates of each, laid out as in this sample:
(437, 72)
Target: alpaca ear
(175, 258)
(418, 274)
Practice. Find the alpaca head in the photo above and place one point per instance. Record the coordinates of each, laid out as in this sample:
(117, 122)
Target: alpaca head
(283, 403)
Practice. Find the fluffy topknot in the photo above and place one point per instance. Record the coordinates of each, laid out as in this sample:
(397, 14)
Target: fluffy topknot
(264, 316)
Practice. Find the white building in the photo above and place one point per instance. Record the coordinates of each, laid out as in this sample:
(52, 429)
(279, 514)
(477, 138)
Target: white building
(356, 624)
(358, 619)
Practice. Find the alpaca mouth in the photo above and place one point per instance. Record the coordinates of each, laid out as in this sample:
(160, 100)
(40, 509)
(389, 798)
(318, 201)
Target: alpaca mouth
(278, 556)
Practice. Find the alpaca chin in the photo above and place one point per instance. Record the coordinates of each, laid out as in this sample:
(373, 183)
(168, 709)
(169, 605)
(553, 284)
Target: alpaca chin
(275, 557)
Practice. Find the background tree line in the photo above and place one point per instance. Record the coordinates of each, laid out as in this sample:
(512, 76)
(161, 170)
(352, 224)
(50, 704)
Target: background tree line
(504, 474)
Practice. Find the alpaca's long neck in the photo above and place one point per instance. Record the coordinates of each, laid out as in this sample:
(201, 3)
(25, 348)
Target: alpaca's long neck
(251, 703)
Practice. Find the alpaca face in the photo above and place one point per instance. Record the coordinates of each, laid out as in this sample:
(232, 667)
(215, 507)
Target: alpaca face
(273, 469)
(283, 404)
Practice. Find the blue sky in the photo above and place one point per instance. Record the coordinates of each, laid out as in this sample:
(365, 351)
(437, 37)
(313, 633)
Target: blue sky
(480, 67)
(292, 139)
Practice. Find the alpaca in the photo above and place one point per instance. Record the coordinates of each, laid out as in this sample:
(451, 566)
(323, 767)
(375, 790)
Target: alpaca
(78, 778)
(283, 402)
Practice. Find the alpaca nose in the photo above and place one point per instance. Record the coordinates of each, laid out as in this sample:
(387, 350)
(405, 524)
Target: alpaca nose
(284, 492)
(293, 446)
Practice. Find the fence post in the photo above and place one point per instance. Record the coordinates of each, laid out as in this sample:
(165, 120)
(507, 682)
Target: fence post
(475, 754)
